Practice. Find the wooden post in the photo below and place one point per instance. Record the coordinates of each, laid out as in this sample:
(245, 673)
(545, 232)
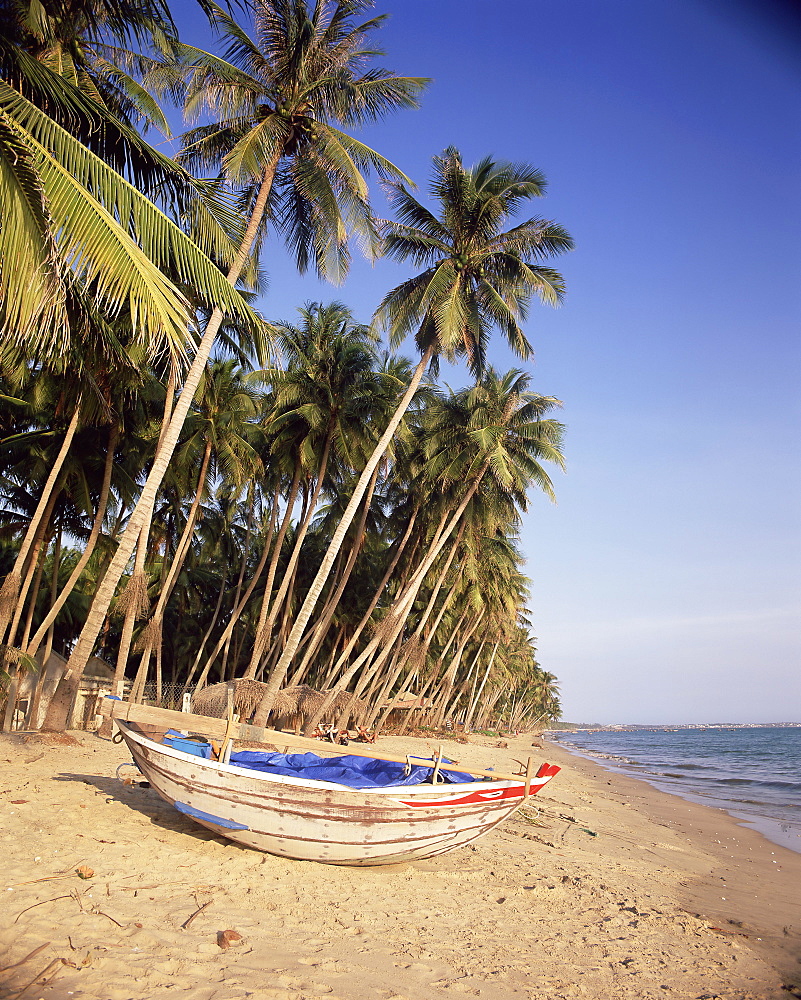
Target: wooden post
(228, 739)
(11, 704)
(437, 763)
(529, 772)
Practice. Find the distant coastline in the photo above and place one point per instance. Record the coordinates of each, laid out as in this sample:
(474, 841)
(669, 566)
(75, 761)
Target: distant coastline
(571, 727)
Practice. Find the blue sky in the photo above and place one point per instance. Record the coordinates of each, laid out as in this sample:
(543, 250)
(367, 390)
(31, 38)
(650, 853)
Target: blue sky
(667, 578)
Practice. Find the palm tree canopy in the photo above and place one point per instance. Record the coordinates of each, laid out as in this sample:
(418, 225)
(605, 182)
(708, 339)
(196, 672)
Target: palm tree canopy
(477, 275)
(500, 423)
(66, 215)
(283, 99)
(74, 181)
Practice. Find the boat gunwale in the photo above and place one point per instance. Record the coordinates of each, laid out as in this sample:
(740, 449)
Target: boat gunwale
(432, 792)
(221, 729)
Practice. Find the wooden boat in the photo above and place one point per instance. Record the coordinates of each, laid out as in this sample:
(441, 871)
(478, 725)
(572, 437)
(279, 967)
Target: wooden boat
(316, 820)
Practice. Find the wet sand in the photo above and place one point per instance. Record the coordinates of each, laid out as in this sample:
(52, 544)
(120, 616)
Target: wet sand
(603, 888)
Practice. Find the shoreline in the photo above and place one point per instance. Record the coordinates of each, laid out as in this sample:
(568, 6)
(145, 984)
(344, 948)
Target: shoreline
(786, 834)
(602, 886)
(753, 881)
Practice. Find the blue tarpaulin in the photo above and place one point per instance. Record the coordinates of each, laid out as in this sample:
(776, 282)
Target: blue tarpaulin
(350, 770)
(355, 772)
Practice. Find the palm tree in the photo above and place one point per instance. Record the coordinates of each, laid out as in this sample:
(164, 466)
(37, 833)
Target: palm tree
(220, 436)
(494, 437)
(79, 242)
(279, 99)
(71, 221)
(323, 402)
(479, 277)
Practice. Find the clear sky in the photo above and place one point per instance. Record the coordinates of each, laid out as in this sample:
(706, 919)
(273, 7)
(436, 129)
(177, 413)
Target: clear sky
(667, 578)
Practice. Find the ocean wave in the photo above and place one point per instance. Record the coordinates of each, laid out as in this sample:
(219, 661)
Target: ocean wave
(791, 786)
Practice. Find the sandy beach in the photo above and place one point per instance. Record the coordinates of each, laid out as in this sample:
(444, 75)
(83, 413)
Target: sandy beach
(602, 888)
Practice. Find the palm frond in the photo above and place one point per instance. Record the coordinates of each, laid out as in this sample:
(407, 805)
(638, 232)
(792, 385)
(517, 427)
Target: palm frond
(98, 218)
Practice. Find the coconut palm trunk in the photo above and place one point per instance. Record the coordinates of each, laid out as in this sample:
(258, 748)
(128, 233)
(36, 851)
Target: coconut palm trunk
(37, 584)
(266, 623)
(278, 673)
(154, 627)
(449, 679)
(9, 593)
(207, 635)
(269, 547)
(477, 698)
(61, 704)
(416, 651)
(424, 691)
(102, 504)
(34, 558)
(241, 578)
(434, 676)
(402, 605)
(351, 643)
(321, 627)
(236, 612)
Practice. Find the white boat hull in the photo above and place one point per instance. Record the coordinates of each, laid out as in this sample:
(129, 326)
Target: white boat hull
(321, 821)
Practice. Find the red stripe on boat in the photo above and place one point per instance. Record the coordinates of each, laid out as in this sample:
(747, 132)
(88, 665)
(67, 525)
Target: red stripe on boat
(545, 773)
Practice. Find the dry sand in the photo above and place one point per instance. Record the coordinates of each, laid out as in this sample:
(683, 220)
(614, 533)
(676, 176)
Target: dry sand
(606, 888)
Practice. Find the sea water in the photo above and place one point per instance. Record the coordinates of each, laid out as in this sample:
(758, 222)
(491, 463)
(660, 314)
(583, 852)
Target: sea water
(754, 773)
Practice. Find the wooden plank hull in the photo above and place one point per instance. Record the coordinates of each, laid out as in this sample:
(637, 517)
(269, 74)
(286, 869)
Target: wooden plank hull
(321, 821)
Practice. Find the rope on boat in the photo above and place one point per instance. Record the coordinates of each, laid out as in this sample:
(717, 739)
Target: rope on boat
(127, 763)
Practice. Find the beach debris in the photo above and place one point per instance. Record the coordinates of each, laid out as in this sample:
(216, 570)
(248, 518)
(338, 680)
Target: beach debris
(532, 815)
(100, 913)
(45, 878)
(40, 903)
(86, 960)
(40, 978)
(198, 911)
(84, 872)
(27, 958)
(725, 930)
(226, 938)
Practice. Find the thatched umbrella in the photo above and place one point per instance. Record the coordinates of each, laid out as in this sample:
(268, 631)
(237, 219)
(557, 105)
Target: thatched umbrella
(297, 703)
(303, 702)
(307, 701)
(343, 701)
(213, 700)
(292, 704)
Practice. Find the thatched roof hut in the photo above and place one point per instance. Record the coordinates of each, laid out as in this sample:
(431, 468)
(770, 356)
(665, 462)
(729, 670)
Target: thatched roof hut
(213, 700)
(295, 703)
(305, 700)
(343, 700)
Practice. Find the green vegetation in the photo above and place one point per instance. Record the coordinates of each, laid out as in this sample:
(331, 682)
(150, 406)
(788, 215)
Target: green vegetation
(194, 493)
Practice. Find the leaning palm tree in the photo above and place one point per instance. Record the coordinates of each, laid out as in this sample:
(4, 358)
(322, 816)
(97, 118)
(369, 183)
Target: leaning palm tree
(499, 449)
(77, 239)
(280, 99)
(324, 399)
(478, 277)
